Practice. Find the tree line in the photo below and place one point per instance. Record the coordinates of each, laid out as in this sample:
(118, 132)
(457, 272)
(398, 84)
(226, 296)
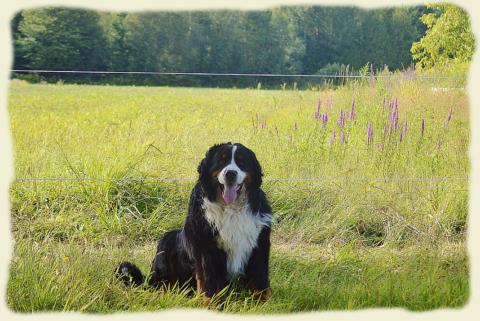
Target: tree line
(287, 40)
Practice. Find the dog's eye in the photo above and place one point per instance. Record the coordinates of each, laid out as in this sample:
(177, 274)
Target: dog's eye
(223, 158)
(240, 161)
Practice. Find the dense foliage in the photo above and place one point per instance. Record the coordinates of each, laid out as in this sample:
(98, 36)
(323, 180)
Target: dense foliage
(290, 40)
(282, 40)
(449, 38)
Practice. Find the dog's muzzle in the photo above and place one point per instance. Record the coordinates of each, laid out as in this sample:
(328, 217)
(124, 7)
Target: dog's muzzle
(230, 187)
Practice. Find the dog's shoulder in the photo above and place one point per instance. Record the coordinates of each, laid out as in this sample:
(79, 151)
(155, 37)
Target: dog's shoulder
(196, 225)
(259, 203)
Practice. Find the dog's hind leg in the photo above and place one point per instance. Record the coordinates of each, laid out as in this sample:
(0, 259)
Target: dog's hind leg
(160, 272)
(164, 269)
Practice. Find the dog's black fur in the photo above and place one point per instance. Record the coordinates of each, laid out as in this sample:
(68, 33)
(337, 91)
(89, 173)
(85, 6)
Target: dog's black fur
(192, 255)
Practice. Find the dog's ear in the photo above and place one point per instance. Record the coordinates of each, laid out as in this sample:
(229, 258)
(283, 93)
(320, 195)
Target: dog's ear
(202, 167)
(257, 181)
(256, 168)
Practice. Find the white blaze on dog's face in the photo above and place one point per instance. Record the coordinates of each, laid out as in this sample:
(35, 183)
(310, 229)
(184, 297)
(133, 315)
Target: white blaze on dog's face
(229, 171)
(231, 177)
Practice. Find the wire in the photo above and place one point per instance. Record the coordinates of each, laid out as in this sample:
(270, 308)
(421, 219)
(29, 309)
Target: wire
(43, 71)
(294, 179)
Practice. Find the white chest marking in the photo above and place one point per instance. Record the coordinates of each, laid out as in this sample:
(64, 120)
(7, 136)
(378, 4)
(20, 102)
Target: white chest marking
(238, 231)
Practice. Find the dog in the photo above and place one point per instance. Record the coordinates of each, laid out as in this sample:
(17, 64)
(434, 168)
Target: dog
(226, 234)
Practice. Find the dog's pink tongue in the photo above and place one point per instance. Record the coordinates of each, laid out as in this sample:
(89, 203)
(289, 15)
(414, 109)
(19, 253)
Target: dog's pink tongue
(230, 193)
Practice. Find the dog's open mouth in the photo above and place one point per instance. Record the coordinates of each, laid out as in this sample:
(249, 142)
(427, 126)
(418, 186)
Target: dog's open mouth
(230, 192)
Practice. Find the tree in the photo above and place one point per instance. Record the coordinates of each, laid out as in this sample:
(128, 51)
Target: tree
(60, 38)
(284, 22)
(19, 61)
(448, 39)
(114, 31)
(293, 40)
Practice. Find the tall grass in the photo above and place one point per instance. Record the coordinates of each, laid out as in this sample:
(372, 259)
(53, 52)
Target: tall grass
(344, 221)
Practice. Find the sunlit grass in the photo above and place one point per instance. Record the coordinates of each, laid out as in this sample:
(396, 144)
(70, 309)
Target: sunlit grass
(321, 228)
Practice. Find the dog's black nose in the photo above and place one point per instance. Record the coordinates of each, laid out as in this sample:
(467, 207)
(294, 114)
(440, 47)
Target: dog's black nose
(230, 176)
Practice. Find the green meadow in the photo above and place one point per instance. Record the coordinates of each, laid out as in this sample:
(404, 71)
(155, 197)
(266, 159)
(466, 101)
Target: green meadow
(370, 208)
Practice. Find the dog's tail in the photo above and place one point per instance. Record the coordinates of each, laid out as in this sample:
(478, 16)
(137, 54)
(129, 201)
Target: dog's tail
(130, 274)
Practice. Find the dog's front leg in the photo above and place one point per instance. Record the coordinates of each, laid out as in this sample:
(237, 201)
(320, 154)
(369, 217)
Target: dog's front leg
(257, 268)
(211, 273)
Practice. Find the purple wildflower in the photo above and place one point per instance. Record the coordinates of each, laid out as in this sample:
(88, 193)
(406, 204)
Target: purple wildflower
(423, 126)
(324, 119)
(370, 134)
(395, 117)
(384, 132)
(264, 124)
(341, 120)
(317, 112)
(342, 137)
(439, 144)
(352, 111)
(334, 137)
(392, 120)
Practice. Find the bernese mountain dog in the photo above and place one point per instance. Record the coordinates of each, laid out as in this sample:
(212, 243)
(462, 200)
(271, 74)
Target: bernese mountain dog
(226, 235)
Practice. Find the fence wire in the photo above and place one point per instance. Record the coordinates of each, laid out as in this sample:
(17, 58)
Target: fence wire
(271, 179)
(219, 74)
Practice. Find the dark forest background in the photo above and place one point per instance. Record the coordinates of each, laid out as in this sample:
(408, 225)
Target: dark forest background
(290, 40)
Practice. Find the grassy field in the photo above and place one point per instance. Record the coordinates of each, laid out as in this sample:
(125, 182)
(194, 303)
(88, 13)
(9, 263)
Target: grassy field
(347, 241)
